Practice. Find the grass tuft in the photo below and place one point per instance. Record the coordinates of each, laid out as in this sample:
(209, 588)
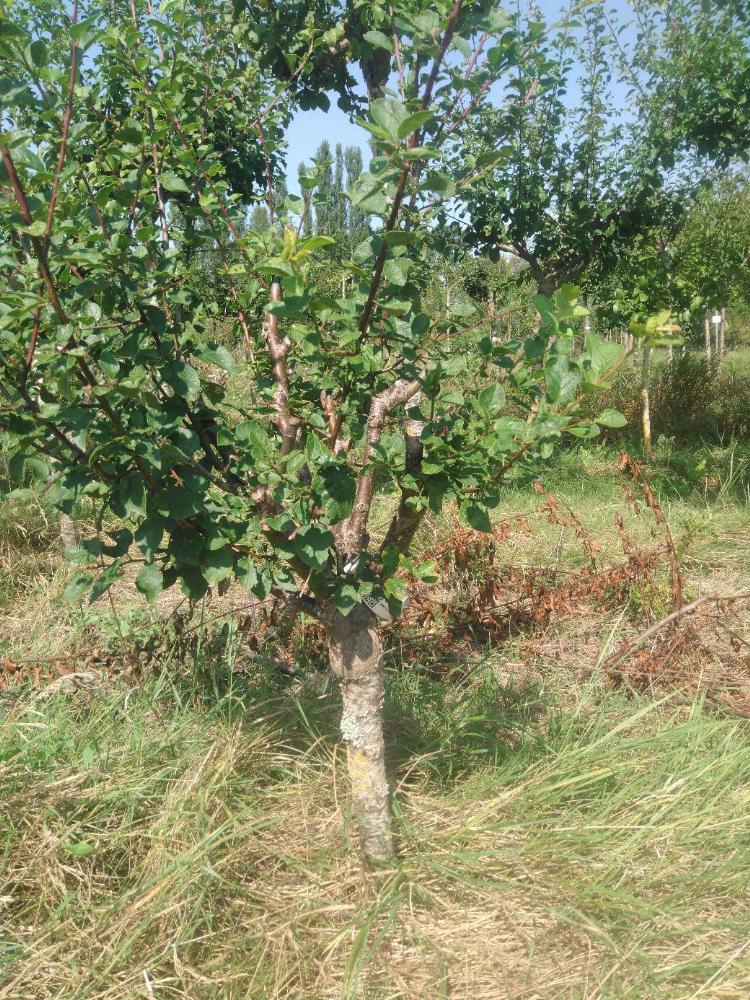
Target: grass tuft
(156, 842)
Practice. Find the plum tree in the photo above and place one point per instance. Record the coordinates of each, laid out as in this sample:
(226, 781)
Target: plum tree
(135, 133)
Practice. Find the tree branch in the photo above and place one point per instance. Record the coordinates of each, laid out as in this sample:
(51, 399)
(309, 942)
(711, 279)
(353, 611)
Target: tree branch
(351, 533)
(278, 349)
(408, 517)
(411, 142)
(686, 609)
(40, 249)
(67, 117)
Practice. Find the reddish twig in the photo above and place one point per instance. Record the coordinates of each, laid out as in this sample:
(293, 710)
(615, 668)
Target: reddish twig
(67, 117)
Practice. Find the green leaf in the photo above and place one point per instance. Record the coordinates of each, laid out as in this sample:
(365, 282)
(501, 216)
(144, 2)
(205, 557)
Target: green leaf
(462, 309)
(584, 431)
(490, 401)
(378, 40)
(412, 122)
(171, 182)
(396, 588)
(276, 266)
(185, 546)
(247, 574)
(367, 194)
(184, 379)
(562, 379)
(192, 583)
(105, 580)
(426, 572)
(129, 496)
(476, 516)
(217, 565)
(603, 353)
(312, 544)
(396, 270)
(150, 581)
(254, 436)
(335, 486)
(390, 115)
(38, 52)
(79, 849)
(315, 242)
(439, 183)
(35, 229)
(611, 418)
(345, 598)
(77, 587)
(217, 354)
(399, 238)
(109, 364)
(177, 500)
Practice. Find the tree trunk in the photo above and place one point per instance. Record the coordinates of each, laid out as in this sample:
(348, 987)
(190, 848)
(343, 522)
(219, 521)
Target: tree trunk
(356, 655)
(67, 532)
(707, 336)
(722, 330)
(646, 414)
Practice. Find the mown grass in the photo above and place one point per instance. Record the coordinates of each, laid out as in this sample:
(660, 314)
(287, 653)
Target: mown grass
(190, 836)
(160, 843)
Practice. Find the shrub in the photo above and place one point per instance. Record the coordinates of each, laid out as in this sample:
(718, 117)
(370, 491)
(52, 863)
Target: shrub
(690, 398)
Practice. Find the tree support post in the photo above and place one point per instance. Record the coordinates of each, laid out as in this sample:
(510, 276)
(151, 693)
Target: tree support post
(646, 405)
(707, 337)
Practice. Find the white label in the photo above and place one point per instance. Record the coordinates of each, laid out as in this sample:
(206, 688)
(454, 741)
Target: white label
(379, 608)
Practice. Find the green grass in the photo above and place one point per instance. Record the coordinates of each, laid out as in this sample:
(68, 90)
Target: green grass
(190, 836)
(592, 850)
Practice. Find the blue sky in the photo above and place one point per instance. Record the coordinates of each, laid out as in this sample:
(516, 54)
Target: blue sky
(308, 128)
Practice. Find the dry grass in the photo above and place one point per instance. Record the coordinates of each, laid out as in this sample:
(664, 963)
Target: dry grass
(188, 836)
(167, 848)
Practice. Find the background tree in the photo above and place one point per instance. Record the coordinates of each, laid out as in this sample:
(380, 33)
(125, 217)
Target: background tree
(259, 218)
(711, 253)
(335, 215)
(694, 61)
(358, 226)
(570, 184)
(326, 206)
(581, 180)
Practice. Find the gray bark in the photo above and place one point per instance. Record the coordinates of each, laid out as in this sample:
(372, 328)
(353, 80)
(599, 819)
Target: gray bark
(356, 655)
(67, 532)
(407, 519)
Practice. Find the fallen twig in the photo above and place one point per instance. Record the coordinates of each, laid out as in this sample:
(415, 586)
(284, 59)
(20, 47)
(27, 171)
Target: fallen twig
(687, 609)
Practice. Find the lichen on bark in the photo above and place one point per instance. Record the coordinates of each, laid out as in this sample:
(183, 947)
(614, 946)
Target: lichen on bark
(356, 655)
